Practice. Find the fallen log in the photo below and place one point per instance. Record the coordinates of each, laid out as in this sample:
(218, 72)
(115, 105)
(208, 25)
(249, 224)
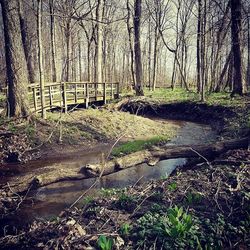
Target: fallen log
(167, 152)
(151, 157)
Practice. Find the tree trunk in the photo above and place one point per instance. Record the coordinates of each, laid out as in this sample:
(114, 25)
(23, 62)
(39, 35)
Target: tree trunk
(203, 52)
(248, 48)
(40, 56)
(137, 49)
(17, 72)
(52, 40)
(238, 86)
(80, 56)
(99, 14)
(220, 85)
(198, 66)
(26, 42)
(149, 53)
(67, 36)
(130, 44)
(155, 57)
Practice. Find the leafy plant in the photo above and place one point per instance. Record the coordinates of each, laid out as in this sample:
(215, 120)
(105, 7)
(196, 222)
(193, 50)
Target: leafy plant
(105, 243)
(193, 198)
(125, 229)
(87, 200)
(179, 223)
(30, 130)
(172, 186)
(126, 202)
(175, 229)
(109, 192)
(12, 127)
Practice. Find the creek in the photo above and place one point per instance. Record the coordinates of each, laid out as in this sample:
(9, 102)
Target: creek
(50, 200)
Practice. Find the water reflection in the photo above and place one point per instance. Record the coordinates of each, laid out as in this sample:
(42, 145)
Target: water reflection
(56, 197)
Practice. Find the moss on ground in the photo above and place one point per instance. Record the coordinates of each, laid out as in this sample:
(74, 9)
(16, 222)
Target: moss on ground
(137, 145)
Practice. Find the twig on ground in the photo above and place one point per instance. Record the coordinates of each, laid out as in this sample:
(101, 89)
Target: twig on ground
(207, 161)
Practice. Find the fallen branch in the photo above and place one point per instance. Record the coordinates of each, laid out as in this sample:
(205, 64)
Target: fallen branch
(128, 161)
(167, 152)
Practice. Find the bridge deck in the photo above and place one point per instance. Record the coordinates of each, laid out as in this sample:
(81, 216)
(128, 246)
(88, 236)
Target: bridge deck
(62, 94)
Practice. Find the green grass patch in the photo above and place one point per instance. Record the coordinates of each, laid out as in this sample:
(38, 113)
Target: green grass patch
(181, 95)
(137, 145)
(2, 99)
(169, 95)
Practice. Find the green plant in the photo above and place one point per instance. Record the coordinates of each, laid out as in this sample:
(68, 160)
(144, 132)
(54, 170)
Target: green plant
(126, 202)
(157, 196)
(125, 229)
(12, 127)
(175, 229)
(87, 200)
(157, 208)
(30, 130)
(105, 243)
(179, 223)
(109, 192)
(172, 186)
(193, 198)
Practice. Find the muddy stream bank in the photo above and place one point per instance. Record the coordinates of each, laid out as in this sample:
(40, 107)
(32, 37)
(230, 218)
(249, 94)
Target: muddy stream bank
(47, 202)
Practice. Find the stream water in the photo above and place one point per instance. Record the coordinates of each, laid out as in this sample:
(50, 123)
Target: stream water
(52, 199)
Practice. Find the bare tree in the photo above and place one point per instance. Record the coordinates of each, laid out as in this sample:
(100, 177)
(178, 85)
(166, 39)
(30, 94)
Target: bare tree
(52, 40)
(99, 40)
(40, 56)
(137, 48)
(236, 27)
(17, 73)
(26, 39)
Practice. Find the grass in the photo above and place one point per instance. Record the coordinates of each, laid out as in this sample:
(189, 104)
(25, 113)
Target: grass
(137, 145)
(180, 95)
(2, 99)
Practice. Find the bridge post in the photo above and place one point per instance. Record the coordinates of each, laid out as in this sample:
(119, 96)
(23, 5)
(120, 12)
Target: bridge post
(117, 90)
(34, 98)
(87, 94)
(64, 93)
(76, 93)
(50, 96)
(112, 91)
(104, 92)
(96, 89)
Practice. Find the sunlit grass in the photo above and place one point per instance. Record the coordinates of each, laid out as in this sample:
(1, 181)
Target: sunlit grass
(169, 95)
(181, 95)
(137, 145)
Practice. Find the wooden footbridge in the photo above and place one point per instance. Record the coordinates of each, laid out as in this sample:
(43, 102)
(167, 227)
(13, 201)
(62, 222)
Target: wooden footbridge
(63, 94)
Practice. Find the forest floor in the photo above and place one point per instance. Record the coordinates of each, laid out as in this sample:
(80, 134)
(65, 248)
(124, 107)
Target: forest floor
(204, 206)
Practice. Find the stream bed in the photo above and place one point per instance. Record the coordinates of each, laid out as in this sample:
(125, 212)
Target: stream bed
(49, 201)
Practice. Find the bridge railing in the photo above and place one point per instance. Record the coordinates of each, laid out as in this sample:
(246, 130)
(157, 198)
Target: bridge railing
(62, 94)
